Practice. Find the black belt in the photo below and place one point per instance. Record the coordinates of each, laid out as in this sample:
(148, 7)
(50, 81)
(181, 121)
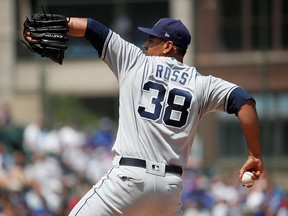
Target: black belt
(142, 163)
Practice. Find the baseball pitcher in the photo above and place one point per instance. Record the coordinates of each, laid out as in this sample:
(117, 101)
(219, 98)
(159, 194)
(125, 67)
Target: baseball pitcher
(162, 100)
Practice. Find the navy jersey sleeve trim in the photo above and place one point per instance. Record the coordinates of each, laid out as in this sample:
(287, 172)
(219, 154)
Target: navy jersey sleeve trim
(96, 33)
(106, 45)
(237, 99)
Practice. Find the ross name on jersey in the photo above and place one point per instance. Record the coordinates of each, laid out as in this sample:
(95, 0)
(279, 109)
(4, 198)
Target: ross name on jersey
(168, 74)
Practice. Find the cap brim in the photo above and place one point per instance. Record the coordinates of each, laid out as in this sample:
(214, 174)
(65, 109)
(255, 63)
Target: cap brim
(148, 31)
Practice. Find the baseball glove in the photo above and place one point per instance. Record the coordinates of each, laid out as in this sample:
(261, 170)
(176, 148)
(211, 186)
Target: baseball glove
(49, 30)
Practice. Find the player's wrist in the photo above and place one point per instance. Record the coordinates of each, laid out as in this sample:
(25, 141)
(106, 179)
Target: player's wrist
(77, 26)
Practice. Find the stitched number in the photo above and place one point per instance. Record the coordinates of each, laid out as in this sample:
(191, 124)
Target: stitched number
(153, 109)
(175, 112)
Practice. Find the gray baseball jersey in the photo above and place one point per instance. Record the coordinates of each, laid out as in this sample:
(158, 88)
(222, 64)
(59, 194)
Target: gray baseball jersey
(161, 102)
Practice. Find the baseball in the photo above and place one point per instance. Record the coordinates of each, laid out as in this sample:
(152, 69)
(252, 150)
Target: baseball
(247, 179)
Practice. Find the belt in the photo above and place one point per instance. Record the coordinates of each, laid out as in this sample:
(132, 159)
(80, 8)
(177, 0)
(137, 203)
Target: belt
(125, 161)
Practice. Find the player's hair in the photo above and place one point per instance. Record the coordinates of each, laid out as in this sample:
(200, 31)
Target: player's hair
(180, 51)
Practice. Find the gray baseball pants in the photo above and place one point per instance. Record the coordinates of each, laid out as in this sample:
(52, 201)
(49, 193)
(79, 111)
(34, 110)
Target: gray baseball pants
(132, 191)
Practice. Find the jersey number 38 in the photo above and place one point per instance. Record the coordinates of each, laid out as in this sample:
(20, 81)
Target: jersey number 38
(173, 112)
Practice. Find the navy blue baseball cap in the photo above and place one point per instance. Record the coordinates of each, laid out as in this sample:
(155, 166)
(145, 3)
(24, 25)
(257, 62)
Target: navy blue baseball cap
(170, 30)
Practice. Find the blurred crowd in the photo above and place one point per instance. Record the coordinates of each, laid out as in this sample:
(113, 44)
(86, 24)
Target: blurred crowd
(54, 168)
(223, 195)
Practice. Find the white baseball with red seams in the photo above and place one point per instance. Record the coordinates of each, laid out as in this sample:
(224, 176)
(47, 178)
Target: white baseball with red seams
(247, 179)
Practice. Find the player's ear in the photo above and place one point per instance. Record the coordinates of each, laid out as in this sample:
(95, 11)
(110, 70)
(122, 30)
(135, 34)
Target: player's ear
(168, 47)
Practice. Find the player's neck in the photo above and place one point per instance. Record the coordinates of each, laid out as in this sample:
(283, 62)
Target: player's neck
(176, 56)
